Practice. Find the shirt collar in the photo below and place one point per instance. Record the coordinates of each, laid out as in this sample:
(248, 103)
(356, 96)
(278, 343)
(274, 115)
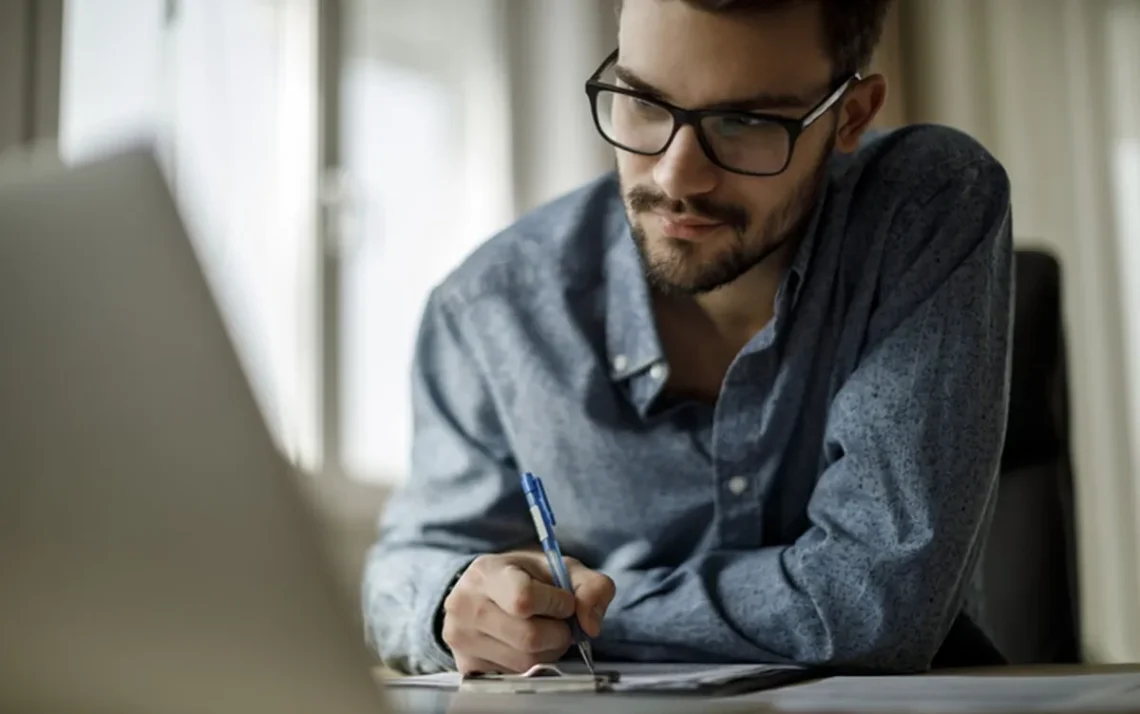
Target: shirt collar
(797, 270)
(632, 342)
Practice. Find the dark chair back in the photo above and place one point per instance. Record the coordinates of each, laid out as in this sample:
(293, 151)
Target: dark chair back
(1029, 566)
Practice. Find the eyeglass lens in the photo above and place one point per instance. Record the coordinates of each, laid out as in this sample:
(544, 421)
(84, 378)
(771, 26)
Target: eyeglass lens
(739, 141)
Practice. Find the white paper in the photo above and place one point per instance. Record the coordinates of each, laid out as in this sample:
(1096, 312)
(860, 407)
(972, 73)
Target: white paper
(641, 677)
(967, 695)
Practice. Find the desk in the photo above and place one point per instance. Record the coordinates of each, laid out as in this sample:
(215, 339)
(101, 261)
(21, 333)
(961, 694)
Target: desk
(445, 702)
(1041, 670)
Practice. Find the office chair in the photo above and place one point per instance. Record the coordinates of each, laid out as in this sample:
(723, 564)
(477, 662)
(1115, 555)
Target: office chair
(1029, 565)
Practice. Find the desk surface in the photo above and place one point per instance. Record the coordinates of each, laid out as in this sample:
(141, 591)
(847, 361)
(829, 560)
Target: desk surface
(426, 700)
(1040, 670)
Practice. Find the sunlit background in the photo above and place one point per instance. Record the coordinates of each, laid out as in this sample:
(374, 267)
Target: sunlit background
(334, 159)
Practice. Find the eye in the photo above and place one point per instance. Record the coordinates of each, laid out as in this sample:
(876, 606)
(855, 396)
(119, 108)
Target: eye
(742, 121)
(643, 106)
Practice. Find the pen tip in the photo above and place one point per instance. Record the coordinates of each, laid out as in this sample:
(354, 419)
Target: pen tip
(587, 657)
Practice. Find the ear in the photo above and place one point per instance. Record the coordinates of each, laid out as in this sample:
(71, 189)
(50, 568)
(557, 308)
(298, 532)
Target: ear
(860, 106)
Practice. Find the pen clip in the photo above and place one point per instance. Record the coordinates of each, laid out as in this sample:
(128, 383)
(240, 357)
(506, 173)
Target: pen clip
(536, 492)
(543, 503)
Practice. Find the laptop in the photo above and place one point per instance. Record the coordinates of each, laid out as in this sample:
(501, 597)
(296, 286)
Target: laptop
(156, 554)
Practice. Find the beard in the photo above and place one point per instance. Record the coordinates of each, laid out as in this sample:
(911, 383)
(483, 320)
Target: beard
(679, 269)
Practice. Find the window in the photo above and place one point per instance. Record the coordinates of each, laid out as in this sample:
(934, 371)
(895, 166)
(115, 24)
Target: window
(243, 144)
(424, 140)
(437, 139)
(227, 90)
(111, 75)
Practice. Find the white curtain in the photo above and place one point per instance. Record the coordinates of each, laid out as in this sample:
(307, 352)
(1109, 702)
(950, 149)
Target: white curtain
(1050, 86)
(554, 46)
(240, 111)
(425, 139)
(226, 91)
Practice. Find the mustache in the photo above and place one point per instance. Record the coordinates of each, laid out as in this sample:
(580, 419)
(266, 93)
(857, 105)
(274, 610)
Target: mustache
(643, 200)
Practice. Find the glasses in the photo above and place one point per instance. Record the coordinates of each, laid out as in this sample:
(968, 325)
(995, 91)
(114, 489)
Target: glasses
(742, 142)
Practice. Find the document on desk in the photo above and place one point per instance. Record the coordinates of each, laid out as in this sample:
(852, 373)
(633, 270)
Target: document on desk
(710, 679)
(946, 694)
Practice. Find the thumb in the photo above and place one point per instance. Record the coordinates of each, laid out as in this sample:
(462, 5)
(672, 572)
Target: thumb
(594, 592)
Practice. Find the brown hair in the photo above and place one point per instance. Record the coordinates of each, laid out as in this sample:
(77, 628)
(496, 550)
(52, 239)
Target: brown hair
(851, 28)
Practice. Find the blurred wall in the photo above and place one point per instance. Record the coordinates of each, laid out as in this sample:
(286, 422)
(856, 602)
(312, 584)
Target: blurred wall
(888, 61)
(553, 46)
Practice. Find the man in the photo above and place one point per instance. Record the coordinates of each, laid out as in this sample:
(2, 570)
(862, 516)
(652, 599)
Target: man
(763, 374)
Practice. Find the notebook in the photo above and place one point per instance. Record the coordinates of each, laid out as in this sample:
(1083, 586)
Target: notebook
(640, 677)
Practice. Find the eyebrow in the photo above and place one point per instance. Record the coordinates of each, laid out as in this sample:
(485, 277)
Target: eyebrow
(766, 100)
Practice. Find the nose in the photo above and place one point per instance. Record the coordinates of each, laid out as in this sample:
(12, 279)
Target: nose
(684, 169)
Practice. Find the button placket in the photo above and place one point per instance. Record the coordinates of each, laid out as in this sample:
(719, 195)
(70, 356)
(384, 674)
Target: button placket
(736, 511)
(743, 457)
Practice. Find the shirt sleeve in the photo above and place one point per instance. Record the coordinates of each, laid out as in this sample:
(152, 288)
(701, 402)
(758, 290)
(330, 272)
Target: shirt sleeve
(461, 500)
(897, 519)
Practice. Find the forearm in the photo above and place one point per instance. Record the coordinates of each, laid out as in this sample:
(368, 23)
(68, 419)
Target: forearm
(671, 615)
(819, 602)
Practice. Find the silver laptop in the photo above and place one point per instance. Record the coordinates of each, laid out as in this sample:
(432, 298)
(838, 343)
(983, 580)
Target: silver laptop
(155, 553)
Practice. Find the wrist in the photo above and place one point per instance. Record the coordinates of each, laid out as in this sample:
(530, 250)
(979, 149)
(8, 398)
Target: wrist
(441, 610)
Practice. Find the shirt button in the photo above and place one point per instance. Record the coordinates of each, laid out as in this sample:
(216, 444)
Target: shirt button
(657, 371)
(621, 362)
(738, 485)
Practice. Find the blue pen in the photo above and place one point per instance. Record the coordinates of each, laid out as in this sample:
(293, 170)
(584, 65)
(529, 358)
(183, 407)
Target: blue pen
(544, 524)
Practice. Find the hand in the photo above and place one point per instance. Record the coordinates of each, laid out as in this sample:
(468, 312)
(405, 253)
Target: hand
(506, 615)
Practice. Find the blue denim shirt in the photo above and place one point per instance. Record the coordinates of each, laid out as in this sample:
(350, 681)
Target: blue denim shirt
(829, 509)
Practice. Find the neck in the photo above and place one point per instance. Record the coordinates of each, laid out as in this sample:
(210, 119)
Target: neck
(702, 335)
(742, 308)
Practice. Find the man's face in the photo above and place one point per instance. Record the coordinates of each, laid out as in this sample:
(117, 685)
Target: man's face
(699, 226)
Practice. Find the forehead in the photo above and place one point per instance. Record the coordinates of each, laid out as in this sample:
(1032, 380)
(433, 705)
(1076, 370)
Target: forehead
(697, 58)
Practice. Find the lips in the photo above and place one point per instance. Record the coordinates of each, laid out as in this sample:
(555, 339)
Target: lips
(687, 227)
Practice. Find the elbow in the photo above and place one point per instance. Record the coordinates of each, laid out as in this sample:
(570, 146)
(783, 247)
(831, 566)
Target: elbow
(875, 645)
(889, 621)
(872, 657)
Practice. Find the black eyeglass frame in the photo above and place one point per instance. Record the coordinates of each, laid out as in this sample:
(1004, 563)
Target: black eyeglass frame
(693, 117)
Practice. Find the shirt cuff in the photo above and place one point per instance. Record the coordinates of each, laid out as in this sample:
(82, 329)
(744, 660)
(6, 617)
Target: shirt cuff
(430, 616)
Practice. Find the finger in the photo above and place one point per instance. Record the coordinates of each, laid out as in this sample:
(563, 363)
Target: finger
(533, 635)
(551, 656)
(534, 563)
(594, 592)
(470, 612)
(495, 656)
(473, 665)
(520, 595)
